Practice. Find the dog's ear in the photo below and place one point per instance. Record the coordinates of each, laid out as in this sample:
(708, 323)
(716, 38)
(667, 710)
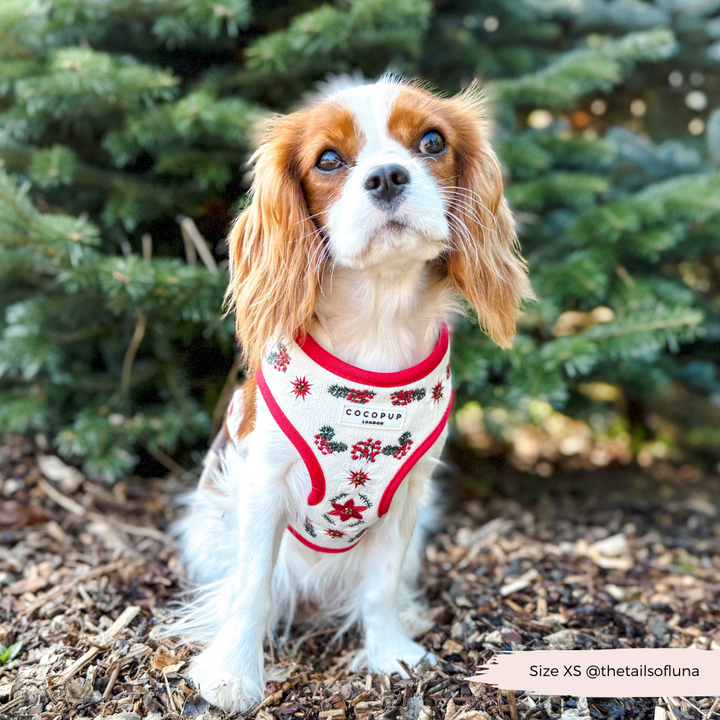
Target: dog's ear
(275, 248)
(484, 263)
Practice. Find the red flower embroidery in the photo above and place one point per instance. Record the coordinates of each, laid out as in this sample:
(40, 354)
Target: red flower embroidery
(326, 444)
(405, 397)
(334, 533)
(360, 396)
(437, 392)
(301, 387)
(282, 359)
(366, 449)
(352, 395)
(358, 477)
(348, 511)
(402, 397)
(401, 449)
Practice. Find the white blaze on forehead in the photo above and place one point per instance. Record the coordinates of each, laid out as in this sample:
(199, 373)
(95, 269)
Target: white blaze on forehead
(354, 220)
(371, 105)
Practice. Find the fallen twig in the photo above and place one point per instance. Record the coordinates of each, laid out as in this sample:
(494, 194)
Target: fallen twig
(114, 674)
(126, 617)
(56, 496)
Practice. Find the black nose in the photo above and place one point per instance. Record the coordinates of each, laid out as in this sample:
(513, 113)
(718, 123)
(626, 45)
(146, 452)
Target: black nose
(386, 182)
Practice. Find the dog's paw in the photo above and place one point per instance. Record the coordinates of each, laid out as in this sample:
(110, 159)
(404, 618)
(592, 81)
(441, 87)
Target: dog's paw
(226, 690)
(384, 658)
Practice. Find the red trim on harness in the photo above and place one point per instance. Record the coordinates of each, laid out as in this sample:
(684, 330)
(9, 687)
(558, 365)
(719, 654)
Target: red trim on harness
(317, 477)
(408, 465)
(318, 547)
(367, 377)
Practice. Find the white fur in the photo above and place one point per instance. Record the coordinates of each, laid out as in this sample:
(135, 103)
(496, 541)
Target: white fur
(356, 227)
(381, 309)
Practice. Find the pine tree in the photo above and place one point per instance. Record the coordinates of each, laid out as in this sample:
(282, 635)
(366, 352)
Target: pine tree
(125, 127)
(600, 117)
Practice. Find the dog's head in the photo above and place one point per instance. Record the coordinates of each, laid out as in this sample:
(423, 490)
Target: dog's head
(364, 176)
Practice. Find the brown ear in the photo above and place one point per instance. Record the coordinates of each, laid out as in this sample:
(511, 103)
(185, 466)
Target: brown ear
(485, 264)
(276, 251)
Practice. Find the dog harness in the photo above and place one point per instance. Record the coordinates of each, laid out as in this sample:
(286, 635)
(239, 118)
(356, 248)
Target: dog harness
(359, 433)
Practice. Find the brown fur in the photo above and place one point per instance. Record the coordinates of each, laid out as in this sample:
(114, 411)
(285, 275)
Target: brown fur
(416, 111)
(484, 264)
(276, 253)
(335, 131)
(486, 267)
(276, 249)
(247, 424)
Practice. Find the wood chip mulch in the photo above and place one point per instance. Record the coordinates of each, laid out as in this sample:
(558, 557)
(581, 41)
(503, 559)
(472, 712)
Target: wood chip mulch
(87, 574)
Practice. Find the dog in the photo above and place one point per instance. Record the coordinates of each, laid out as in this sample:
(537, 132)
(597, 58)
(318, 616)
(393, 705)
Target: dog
(374, 211)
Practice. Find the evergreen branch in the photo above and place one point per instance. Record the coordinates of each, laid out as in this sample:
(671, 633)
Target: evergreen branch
(11, 202)
(576, 74)
(689, 199)
(152, 198)
(16, 50)
(686, 318)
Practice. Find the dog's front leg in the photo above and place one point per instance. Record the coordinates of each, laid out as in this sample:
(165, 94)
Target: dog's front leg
(229, 673)
(386, 641)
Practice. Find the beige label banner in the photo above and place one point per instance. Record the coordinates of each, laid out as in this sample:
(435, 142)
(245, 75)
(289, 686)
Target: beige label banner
(627, 672)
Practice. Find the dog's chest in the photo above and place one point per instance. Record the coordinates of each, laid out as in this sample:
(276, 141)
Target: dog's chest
(358, 433)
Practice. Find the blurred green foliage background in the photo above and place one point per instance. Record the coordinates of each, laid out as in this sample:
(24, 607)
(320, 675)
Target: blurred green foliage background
(125, 127)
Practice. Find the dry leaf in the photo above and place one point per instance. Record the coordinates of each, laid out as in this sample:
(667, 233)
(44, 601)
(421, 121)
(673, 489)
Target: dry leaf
(15, 514)
(163, 658)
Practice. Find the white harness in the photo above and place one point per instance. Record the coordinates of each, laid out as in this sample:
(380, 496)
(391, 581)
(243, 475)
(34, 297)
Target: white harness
(358, 432)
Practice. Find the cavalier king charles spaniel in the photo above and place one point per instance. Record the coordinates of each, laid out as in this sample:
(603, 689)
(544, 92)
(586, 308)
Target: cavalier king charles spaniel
(375, 209)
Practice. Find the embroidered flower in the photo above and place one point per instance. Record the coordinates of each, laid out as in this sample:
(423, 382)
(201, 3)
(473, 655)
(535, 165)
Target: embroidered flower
(366, 450)
(334, 533)
(326, 444)
(437, 392)
(360, 396)
(301, 387)
(401, 449)
(309, 529)
(348, 511)
(358, 478)
(282, 360)
(405, 397)
(351, 394)
(279, 358)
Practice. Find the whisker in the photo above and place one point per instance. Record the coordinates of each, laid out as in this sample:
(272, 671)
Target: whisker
(474, 195)
(467, 193)
(307, 235)
(316, 258)
(475, 220)
(309, 217)
(468, 209)
(460, 227)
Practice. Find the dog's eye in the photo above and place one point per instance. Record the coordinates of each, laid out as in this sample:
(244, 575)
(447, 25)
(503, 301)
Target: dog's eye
(329, 161)
(432, 143)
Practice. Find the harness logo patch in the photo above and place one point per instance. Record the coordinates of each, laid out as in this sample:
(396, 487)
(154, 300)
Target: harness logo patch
(389, 418)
